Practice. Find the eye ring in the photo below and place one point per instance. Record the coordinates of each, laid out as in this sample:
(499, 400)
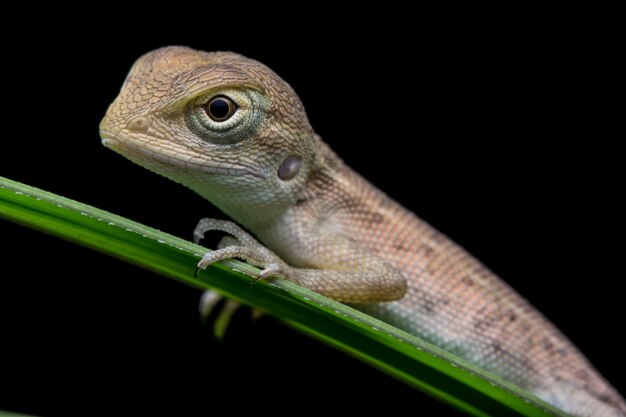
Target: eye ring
(220, 108)
(245, 111)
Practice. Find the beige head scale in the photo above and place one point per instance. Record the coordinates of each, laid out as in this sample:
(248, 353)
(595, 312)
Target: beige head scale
(225, 124)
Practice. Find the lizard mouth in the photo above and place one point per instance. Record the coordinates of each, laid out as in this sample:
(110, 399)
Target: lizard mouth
(144, 152)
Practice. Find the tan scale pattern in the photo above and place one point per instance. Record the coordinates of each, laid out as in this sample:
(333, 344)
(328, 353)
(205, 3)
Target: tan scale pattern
(334, 232)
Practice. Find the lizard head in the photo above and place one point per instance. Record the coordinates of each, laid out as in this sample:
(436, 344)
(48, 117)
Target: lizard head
(224, 125)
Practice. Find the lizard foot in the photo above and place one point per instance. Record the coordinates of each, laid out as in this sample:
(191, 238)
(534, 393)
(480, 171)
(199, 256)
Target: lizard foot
(237, 244)
(241, 245)
(210, 303)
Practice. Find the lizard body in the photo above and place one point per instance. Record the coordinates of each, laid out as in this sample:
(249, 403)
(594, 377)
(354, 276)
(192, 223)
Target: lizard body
(233, 131)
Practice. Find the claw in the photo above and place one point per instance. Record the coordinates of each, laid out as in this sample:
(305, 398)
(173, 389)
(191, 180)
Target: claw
(202, 264)
(270, 270)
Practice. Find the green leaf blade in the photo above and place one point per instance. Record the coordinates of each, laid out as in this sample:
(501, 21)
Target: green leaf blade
(397, 353)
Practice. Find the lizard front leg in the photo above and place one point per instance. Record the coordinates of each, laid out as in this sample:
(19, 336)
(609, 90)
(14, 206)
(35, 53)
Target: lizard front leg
(339, 268)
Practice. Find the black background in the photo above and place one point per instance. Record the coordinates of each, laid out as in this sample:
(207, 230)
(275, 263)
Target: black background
(497, 134)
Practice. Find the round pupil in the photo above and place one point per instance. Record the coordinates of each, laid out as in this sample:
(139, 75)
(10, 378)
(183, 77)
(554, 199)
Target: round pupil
(219, 108)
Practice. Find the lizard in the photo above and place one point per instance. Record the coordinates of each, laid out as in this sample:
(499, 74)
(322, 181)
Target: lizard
(232, 130)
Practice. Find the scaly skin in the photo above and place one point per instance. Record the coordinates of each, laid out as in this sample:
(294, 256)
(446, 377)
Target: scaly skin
(326, 227)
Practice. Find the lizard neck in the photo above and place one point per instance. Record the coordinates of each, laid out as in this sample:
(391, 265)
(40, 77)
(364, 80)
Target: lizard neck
(265, 213)
(334, 183)
(255, 217)
(264, 217)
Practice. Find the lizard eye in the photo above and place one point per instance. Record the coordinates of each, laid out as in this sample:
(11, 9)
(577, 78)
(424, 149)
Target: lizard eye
(225, 117)
(220, 108)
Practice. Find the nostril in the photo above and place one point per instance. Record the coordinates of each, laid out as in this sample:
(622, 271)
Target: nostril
(139, 124)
